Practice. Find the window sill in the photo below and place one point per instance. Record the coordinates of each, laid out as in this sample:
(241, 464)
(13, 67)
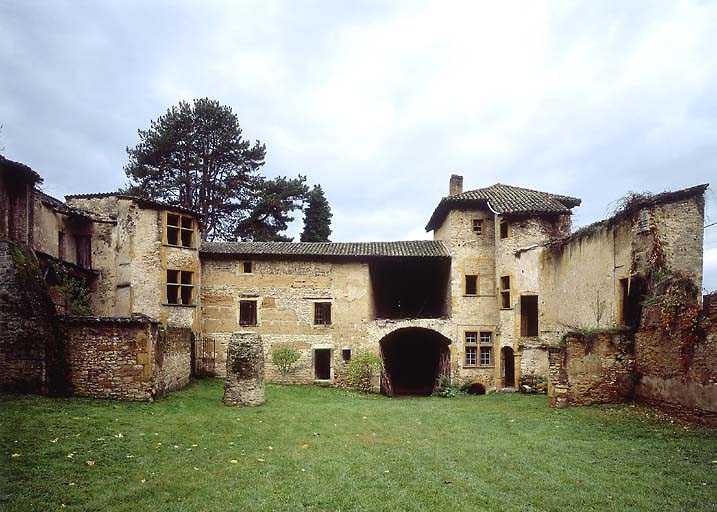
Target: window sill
(180, 247)
(506, 309)
(471, 295)
(180, 305)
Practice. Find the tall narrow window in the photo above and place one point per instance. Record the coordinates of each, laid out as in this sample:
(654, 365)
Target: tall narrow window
(247, 312)
(529, 315)
(180, 287)
(504, 229)
(84, 251)
(61, 245)
(322, 313)
(486, 356)
(471, 348)
(505, 292)
(180, 230)
(471, 285)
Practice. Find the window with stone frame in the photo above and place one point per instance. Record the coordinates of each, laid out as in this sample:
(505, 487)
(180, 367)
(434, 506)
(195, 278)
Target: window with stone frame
(180, 230)
(478, 226)
(471, 348)
(505, 292)
(247, 312)
(471, 285)
(486, 356)
(322, 313)
(247, 267)
(504, 228)
(180, 287)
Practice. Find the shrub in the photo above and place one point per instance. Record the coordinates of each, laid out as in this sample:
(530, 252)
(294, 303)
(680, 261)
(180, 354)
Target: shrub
(446, 389)
(284, 358)
(362, 368)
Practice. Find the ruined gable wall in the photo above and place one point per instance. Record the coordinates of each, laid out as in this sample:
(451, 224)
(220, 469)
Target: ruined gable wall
(285, 292)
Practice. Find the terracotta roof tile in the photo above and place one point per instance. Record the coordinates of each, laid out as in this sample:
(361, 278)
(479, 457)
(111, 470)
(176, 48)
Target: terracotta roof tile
(353, 250)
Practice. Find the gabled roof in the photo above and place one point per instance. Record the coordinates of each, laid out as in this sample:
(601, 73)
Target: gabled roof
(504, 200)
(18, 171)
(59, 206)
(141, 201)
(348, 250)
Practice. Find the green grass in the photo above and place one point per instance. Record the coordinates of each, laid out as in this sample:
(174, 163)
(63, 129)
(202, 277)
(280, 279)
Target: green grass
(496, 452)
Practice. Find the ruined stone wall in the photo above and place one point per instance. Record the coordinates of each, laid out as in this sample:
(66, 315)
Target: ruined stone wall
(110, 357)
(172, 359)
(16, 211)
(581, 279)
(285, 292)
(28, 340)
(687, 389)
(591, 369)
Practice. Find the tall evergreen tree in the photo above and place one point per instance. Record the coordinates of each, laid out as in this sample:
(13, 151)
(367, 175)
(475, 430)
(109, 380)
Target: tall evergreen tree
(317, 217)
(195, 156)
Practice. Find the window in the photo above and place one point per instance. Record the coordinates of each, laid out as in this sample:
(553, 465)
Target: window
(471, 338)
(504, 229)
(486, 338)
(84, 251)
(486, 354)
(471, 356)
(471, 285)
(246, 267)
(247, 312)
(643, 223)
(478, 226)
(529, 315)
(61, 245)
(346, 354)
(505, 292)
(322, 313)
(180, 230)
(180, 287)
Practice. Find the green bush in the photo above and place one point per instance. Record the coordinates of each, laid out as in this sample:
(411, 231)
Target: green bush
(446, 389)
(284, 358)
(362, 368)
(76, 295)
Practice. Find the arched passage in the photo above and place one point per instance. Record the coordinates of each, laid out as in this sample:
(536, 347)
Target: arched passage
(413, 358)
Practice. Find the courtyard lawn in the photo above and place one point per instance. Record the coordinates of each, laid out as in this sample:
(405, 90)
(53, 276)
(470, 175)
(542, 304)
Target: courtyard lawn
(312, 448)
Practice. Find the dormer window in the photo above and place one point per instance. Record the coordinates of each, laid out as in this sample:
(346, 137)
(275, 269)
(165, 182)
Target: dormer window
(180, 230)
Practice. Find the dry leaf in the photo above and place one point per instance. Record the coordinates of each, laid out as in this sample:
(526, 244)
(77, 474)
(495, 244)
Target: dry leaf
(90, 462)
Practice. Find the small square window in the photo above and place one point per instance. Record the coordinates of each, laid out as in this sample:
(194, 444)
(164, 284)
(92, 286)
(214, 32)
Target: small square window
(471, 356)
(472, 285)
(246, 267)
(247, 312)
(478, 226)
(180, 287)
(471, 338)
(346, 354)
(504, 229)
(486, 356)
(486, 338)
(322, 313)
(180, 230)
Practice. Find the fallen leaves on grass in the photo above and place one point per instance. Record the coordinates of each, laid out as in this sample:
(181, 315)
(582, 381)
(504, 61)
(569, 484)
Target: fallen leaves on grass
(90, 462)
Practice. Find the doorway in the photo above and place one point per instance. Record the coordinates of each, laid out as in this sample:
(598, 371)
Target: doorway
(508, 365)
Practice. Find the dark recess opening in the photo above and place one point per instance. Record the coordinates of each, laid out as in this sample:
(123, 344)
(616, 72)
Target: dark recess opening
(413, 359)
(476, 389)
(508, 367)
(410, 288)
(529, 315)
(631, 296)
(322, 363)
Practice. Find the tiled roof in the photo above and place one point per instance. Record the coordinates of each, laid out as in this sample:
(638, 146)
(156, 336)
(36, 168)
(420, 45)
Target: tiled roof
(505, 200)
(141, 201)
(59, 206)
(353, 250)
(18, 171)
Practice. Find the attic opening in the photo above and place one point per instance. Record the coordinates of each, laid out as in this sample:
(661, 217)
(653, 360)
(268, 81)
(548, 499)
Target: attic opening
(410, 288)
(413, 359)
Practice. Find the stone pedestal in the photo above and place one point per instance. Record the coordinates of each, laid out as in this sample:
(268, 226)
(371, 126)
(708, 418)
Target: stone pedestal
(244, 384)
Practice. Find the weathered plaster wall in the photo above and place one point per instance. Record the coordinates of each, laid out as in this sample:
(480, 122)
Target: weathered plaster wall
(172, 359)
(285, 292)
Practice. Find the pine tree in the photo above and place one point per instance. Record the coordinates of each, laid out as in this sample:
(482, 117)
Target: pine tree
(317, 217)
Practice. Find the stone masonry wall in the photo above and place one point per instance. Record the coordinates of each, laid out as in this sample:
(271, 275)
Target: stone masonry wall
(591, 369)
(111, 357)
(173, 359)
(28, 340)
(688, 390)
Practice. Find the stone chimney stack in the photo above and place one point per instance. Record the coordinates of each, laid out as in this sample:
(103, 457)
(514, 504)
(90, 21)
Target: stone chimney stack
(455, 185)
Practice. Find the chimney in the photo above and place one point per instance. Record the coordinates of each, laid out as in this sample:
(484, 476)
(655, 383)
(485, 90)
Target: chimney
(455, 185)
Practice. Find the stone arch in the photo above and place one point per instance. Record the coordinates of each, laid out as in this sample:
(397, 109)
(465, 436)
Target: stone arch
(413, 359)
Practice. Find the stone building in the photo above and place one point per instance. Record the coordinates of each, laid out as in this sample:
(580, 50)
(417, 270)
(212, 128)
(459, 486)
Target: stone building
(500, 283)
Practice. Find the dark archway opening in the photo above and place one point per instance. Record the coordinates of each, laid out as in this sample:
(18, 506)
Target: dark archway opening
(476, 389)
(508, 367)
(413, 359)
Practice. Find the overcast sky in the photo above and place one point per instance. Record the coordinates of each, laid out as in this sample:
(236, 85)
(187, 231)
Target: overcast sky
(379, 101)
